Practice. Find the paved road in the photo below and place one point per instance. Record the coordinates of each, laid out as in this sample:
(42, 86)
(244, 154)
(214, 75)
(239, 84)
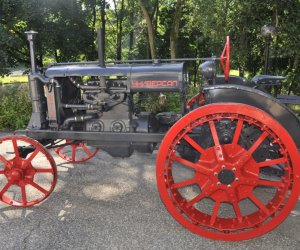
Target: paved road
(111, 203)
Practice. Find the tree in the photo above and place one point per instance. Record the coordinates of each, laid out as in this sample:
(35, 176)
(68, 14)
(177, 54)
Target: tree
(150, 28)
(119, 15)
(175, 28)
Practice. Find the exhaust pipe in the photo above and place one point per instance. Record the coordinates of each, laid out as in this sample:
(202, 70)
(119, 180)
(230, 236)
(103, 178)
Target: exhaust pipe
(38, 118)
(31, 36)
(101, 46)
(101, 53)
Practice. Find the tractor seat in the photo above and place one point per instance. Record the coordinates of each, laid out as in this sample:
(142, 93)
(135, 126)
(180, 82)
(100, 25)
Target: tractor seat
(267, 80)
(236, 80)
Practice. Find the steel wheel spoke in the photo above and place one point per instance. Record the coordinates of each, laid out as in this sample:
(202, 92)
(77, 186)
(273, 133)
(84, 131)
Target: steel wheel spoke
(15, 145)
(24, 197)
(205, 186)
(214, 133)
(237, 132)
(198, 198)
(88, 152)
(270, 183)
(38, 187)
(44, 170)
(73, 152)
(271, 162)
(185, 162)
(194, 144)
(258, 142)
(237, 211)
(218, 148)
(196, 167)
(183, 184)
(57, 150)
(4, 189)
(247, 155)
(215, 212)
(259, 204)
(34, 154)
(4, 160)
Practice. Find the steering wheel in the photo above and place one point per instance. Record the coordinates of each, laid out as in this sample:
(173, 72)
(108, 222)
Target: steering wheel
(225, 59)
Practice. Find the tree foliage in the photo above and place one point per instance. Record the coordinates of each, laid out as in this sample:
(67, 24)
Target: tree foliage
(156, 28)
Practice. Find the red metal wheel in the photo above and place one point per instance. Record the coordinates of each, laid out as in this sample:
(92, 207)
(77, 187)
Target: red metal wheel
(76, 152)
(25, 180)
(223, 193)
(196, 101)
(225, 59)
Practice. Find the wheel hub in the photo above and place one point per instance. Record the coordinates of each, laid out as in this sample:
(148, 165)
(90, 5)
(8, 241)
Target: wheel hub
(18, 171)
(226, 176)
(16, 175)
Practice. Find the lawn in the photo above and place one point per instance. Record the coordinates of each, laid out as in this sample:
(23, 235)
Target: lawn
(13, 79)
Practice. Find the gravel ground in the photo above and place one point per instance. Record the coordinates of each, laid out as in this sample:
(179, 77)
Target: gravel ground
(112, 203)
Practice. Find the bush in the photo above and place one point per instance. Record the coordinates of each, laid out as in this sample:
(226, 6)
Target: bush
(173, 101)
(15, 107)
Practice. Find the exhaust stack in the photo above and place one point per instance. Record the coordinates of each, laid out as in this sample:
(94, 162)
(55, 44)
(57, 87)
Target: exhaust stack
(31, 36)
(38, 118)
(101, 46)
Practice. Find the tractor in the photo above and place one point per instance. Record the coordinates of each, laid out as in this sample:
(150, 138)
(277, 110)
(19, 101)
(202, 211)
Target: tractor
(228, 164)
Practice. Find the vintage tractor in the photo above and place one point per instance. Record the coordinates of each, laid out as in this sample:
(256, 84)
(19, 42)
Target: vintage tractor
(228, 163)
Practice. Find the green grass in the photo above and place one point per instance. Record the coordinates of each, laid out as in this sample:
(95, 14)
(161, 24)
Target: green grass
(13, 79)
(235, 72)
(295, 108)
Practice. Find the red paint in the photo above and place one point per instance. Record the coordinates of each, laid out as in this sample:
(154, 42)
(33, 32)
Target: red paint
(22, 173)
(225, 59)
(154, 84)
(216, 221)
(74, 149)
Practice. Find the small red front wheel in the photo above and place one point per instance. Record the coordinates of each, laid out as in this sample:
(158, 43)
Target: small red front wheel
(26, 178)
(228, 172)
(76, 152)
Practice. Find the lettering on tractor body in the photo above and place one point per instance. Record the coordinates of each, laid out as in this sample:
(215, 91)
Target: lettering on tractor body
(154, 84)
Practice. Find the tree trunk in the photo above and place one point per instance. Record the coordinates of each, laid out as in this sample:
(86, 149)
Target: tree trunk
(132, 8)
(151, 36)
(93, 32)
(175, 28)
(119, 13)
(293, 82)
(103, 20)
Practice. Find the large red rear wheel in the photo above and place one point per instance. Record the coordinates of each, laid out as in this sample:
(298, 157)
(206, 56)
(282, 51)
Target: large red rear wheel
(76, 152)
(240, 177)
(26, 179)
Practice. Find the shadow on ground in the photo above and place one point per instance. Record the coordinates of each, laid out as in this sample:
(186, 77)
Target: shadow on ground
(112, 203)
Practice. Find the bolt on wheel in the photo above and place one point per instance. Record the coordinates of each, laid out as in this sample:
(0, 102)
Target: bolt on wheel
(76, 152)
(228, 172)
(28, 172)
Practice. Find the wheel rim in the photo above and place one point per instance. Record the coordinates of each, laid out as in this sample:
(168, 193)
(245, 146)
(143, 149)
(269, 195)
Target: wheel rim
(196, 101)
(76, 152)
(227, 174)
(25, 181)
